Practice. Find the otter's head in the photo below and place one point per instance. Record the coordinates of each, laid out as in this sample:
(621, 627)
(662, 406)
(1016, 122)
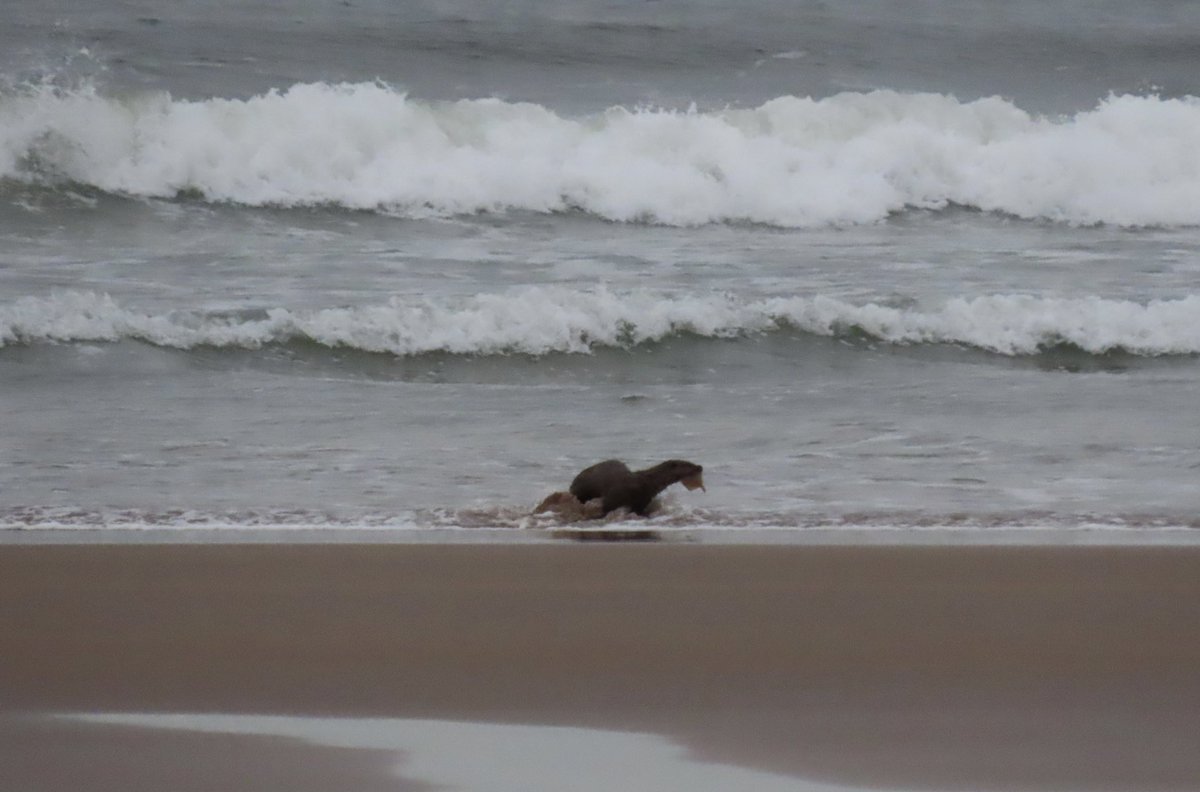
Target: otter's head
(689, 474)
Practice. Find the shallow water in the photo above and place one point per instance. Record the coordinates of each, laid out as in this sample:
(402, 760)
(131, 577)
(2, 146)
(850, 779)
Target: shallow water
(486, 757)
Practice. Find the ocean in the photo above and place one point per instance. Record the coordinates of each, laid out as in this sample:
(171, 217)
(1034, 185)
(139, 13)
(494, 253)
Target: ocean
(355, 265)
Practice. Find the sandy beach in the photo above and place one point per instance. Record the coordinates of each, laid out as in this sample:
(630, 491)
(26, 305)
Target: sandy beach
(889, 667)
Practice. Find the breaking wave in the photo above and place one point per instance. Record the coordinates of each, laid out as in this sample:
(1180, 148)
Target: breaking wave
(793, 162)
(542, 320)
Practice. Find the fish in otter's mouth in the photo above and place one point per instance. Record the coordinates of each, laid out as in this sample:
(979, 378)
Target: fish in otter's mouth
(694, 482)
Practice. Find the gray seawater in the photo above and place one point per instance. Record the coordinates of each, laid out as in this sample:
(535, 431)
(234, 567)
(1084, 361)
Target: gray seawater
(414, 265)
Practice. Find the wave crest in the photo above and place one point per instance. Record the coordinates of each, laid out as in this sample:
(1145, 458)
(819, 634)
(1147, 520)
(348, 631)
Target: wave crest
(543, 320)
(794, 162)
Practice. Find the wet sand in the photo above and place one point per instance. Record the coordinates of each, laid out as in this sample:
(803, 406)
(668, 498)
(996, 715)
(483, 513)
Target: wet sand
(913, 667)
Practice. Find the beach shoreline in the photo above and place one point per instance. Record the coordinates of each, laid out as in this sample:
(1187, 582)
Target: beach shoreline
(1001, 667)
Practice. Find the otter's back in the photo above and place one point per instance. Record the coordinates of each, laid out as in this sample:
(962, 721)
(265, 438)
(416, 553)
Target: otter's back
(599, 479)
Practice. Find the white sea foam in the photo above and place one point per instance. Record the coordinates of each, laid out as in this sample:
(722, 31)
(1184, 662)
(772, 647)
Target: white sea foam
(850, 158)
(542, 320)
(514, 523)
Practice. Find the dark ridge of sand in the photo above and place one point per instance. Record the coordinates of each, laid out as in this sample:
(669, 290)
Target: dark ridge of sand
(937, 667)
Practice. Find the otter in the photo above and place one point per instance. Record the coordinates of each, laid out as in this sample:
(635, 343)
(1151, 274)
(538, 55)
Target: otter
(619, 487)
